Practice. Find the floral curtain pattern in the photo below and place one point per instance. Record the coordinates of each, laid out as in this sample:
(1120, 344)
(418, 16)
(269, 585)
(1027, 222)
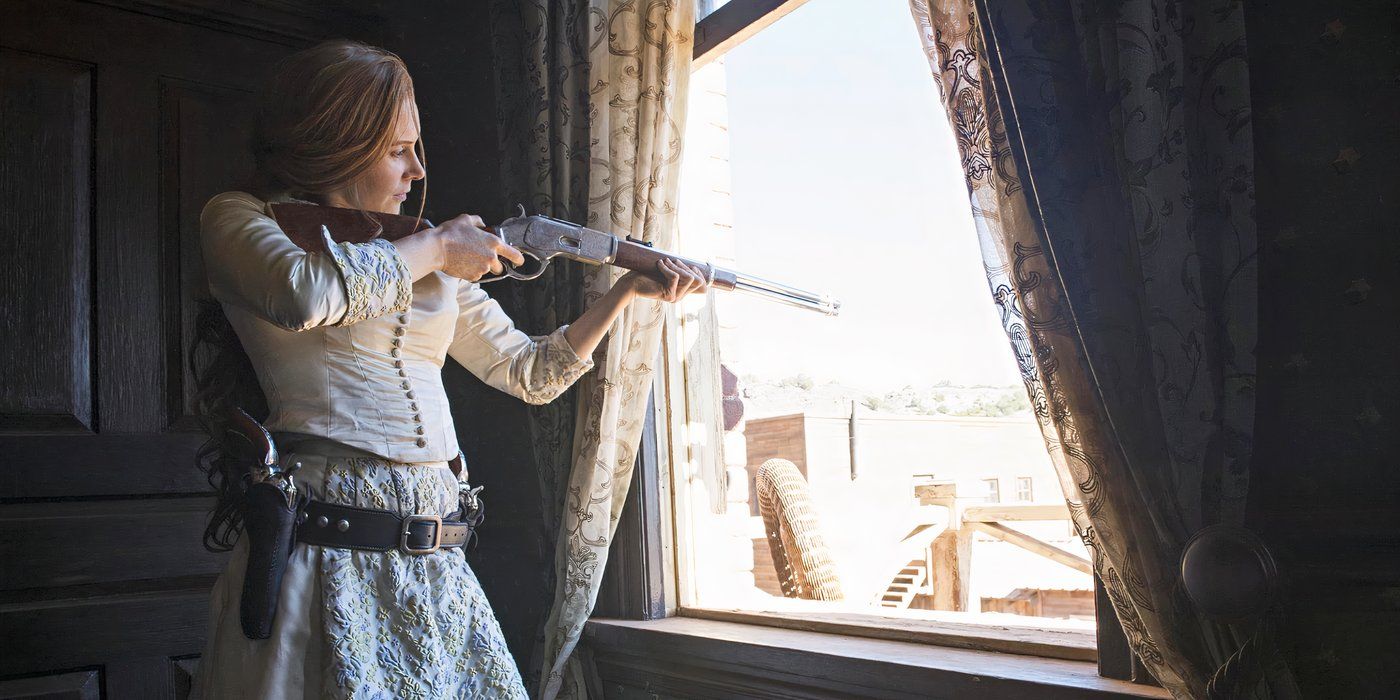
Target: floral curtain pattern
(541, 58)
(1119, 244)
(593, 110)
(640, 69)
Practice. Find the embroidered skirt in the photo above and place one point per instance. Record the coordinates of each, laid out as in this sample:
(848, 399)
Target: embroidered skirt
(361, 624)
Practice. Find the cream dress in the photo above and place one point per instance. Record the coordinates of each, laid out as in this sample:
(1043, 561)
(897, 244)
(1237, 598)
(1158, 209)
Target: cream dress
(348, 348)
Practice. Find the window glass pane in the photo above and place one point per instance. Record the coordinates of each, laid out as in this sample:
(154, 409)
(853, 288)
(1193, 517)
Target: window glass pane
(1023, 489)
(836, 171)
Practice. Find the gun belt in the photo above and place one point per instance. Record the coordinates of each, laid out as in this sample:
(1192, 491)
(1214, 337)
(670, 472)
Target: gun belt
(334, 525)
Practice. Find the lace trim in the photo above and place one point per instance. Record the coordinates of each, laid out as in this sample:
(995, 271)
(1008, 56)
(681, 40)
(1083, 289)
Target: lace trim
(556, 367)
(377, 280)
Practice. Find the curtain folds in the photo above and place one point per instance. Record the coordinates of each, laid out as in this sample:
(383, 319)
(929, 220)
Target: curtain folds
(592, 100)
(1108, 156)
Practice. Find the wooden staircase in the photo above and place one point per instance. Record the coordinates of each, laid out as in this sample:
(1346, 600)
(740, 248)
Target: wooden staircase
(905, 585)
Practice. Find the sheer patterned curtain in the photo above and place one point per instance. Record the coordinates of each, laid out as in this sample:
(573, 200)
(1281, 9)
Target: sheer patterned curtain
(1108, 155)
(593, 109)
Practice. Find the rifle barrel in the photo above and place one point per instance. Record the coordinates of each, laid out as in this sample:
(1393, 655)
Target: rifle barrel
(778, 291)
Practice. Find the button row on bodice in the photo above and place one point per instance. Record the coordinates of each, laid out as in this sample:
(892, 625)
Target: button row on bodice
(396, 351)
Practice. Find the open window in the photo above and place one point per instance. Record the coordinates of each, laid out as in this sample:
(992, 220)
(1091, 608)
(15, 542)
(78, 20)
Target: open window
(847, 470)
(817, 155)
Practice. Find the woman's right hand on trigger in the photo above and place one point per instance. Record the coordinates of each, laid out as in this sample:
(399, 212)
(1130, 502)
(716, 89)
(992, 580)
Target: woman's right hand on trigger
(470, 252)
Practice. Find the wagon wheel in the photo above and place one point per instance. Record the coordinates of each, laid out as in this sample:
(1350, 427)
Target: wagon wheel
(800, 556)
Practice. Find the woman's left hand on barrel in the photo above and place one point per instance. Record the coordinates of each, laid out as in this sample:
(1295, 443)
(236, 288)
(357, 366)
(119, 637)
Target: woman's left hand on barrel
(679, 278)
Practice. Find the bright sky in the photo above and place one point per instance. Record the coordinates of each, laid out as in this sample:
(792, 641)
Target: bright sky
(846, 180)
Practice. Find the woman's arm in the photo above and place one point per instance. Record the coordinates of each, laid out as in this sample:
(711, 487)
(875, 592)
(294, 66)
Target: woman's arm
(536, 369)
(250, 262)
(585, 333)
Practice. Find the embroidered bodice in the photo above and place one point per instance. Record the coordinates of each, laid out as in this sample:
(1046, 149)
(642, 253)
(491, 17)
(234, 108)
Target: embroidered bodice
(346, 346)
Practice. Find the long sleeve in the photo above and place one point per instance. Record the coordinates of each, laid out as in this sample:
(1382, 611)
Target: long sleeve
(251, 263)
(535, 369)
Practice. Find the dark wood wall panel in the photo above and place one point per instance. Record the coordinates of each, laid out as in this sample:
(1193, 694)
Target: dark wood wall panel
(120, 119)
(78, 685)
(45, 155)
(99, 466)
(203, 152)
(102, 630)
(121, 529)
(129, 362)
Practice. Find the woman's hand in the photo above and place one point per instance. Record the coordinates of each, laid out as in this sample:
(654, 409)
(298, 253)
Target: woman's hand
(469, 251)
(680, 279)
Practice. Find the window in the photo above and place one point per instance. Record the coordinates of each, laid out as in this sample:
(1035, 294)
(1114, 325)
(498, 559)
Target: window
(1023, 489)
(993, 490)
(898, 418)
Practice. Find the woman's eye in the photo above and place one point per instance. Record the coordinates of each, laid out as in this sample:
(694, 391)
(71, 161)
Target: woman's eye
(400, 152)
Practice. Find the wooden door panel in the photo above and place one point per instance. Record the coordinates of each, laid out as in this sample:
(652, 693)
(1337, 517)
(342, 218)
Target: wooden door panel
(78, 685)
(37, 466)
(203, 152)
(128, 541)
(45, 151)
(103, 629)
(119, 121)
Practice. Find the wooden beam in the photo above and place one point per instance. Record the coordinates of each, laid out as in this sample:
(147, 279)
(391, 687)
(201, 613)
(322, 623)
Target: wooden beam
(1001, 512)
(1033, 545)
(951, 576)
(733, 24)
(938, 493)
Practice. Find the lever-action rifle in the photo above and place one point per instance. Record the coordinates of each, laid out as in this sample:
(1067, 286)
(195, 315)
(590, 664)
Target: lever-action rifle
(539, 238)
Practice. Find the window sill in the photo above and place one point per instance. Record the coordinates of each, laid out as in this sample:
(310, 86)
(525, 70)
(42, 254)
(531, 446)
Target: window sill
(692, 657)
(937, 628)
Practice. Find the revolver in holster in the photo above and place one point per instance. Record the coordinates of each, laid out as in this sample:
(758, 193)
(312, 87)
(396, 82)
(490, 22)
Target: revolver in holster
(270, 505)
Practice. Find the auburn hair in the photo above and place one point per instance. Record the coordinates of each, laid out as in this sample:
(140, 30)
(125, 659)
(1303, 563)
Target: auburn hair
(328, 114)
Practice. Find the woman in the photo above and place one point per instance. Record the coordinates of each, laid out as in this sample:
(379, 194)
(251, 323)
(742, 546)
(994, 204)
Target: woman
(347, 349)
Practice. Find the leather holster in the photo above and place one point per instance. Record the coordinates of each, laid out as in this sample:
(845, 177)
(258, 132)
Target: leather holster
(270, 525)
(270, 504)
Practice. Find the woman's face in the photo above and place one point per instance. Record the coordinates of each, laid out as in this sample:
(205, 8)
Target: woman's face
(385, 186)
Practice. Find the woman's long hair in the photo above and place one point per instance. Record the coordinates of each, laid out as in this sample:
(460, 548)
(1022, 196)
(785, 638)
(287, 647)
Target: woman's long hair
(326, 117)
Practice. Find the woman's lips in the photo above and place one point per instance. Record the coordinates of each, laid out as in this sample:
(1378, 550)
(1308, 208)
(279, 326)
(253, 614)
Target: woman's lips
(401, 196)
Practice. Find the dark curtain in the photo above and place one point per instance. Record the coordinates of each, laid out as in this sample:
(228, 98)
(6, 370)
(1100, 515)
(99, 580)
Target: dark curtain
(1108, 156)
(541, 51)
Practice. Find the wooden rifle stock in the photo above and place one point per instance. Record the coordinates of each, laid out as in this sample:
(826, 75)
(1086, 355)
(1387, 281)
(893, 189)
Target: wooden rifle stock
(549, 238)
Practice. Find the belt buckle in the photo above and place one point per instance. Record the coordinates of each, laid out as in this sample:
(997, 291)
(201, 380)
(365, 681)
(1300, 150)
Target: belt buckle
(408, 520)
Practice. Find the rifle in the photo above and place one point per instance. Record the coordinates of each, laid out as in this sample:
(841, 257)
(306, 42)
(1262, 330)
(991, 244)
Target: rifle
(539, 238)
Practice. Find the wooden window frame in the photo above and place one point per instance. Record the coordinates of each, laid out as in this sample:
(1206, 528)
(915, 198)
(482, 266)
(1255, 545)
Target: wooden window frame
(640, 579)
(1029, 492)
